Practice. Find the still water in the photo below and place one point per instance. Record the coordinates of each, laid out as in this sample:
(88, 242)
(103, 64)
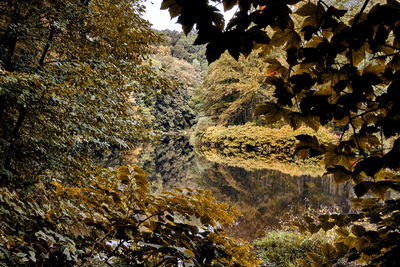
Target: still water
(267, 198)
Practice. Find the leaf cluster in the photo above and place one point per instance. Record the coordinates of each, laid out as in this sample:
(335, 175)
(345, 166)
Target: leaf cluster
(336, 71)
(112, 218)
(282, 248)
(67, 77)
(369, 236)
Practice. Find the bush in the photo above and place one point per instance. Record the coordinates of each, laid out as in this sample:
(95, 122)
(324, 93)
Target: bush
(282, 248)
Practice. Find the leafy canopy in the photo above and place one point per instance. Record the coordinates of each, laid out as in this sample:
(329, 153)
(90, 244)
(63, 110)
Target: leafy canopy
(335, 70)
(112, 218)
(69, 71)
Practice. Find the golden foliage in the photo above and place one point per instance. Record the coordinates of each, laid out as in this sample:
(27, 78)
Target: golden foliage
(256, 147)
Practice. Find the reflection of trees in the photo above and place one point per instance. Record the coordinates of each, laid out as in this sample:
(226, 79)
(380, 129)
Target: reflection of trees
(265, 197)
(268, 197)
(254, 160)
(167, 161)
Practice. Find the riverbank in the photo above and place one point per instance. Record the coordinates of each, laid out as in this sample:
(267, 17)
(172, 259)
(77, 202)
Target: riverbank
(256, 147)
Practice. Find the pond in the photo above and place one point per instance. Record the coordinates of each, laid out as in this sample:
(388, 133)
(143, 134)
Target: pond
(267, 198)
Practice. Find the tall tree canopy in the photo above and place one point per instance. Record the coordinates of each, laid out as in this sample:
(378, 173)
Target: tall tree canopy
(336, 70)
(68, 73)
(68, 70)
(231, 89)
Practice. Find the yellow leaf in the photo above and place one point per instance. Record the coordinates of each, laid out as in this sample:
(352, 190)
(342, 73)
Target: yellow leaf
(328, 250)
(188, 251)
(313, 257)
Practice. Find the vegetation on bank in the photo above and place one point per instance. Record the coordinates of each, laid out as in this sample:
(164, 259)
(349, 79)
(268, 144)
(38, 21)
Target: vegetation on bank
(282, 248)
(254, 161)
(258, 147)
(70, 74)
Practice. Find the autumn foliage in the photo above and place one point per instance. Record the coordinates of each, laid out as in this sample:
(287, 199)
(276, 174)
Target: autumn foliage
(69, 71)
(336, 71)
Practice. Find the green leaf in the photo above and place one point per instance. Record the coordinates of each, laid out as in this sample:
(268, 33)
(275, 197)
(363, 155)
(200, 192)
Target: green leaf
(32, 255)
(342, 232)
(214, 51)
(326, 226)
(362, 188)
(294, 119)
(361, 244)
(175, 10)
(358, 230)
(340, 174)
(307, 9)
(21, 254)
(167, 3)
(271, 112)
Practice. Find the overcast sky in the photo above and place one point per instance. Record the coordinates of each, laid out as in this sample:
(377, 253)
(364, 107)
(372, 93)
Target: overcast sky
(161, 19)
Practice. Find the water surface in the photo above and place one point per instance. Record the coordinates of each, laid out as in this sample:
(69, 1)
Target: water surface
(267, 198)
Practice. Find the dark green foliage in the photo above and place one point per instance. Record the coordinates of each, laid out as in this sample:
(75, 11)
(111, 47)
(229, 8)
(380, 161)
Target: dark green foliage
(47, 228)
(64, 76)
(69, 74)
(168, 112)
(231, 89)
(172, 111)
(182, 47)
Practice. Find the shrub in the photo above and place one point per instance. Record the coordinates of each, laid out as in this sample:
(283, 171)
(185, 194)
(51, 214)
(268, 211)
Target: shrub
(282, 248)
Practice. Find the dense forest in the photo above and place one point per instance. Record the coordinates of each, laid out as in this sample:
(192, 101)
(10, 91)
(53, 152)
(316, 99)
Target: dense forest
(271, 139)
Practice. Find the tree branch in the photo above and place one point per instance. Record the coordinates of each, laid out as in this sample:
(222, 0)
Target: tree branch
(47, 46)
(14, 136)
(358, 16)
(94, 246)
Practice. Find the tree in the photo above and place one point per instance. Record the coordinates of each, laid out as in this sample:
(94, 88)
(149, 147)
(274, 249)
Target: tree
(170, 111)
(231, 89)
(172, 36)
(182, 47)
(68, 73)
(337, 71)
(113, 219)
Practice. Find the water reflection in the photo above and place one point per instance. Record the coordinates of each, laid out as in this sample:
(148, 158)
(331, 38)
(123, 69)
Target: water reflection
(265, 197)
(168, 162)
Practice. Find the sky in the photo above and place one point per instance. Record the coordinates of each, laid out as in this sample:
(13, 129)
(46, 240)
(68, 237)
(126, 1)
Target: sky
(161, 19)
